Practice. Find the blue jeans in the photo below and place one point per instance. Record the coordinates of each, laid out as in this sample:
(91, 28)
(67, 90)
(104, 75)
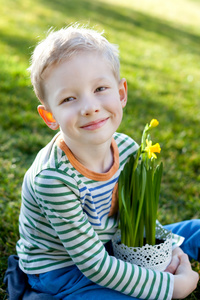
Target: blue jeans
(70, 284)
(190, 230)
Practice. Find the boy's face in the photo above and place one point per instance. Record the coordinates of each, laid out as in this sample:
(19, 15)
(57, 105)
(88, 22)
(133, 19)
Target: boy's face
(85, 99)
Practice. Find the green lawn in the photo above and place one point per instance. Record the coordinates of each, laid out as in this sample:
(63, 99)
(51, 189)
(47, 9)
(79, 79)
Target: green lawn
(160, 57)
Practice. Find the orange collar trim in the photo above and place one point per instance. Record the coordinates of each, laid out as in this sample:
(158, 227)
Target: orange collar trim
(86, 172)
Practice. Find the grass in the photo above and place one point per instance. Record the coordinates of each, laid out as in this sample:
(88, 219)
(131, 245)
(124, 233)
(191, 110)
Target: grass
(159, 46)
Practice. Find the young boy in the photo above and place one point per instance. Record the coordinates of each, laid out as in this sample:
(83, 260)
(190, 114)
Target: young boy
(68, 213)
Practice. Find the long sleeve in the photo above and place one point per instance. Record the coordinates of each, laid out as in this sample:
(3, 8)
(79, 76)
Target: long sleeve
(86, 250)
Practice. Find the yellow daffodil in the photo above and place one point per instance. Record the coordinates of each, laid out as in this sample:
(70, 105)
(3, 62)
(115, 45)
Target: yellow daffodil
(154, 123)
(151, 149)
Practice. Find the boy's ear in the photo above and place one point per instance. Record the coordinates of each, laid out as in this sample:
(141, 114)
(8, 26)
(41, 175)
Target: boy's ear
(123, 92)
(47, 117)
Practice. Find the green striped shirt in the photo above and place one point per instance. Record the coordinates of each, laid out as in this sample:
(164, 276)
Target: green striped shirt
(64, 220)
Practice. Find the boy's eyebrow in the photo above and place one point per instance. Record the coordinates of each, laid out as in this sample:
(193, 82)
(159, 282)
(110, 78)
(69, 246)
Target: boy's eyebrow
(60, 92)
(101, 78)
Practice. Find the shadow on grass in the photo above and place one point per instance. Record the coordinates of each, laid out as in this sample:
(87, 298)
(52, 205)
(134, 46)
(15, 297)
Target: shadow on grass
(20, 44)
(125, 20)
(118, 18)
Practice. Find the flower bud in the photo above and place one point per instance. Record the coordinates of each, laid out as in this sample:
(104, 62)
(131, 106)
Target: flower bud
(154, 123)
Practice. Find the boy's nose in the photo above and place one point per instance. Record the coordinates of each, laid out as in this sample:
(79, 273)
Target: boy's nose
(89, 108)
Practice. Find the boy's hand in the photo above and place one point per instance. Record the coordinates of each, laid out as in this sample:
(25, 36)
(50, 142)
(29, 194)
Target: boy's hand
(185, 279)
(175, 260)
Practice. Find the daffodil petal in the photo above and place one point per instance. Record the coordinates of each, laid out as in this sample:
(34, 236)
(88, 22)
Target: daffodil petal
(156, 148)
(151, 149)
(154, 156)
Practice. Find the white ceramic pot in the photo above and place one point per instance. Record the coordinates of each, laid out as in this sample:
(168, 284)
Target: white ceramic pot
(155, 257)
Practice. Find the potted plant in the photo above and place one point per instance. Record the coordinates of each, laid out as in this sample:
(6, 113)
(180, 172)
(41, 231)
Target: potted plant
(140, 238)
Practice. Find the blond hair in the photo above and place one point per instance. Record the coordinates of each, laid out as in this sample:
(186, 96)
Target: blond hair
(62, 45)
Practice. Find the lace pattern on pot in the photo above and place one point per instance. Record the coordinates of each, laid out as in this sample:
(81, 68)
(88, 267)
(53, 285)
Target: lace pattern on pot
(155, 257)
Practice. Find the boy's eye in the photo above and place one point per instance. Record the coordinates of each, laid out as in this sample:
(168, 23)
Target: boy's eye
(100, 89)
(68, 99)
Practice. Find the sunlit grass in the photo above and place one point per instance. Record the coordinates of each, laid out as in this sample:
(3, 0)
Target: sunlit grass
(179, 12)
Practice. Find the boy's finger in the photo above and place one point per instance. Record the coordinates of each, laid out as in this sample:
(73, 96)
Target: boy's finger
(173, 265)
(184, 266)
(184, 258)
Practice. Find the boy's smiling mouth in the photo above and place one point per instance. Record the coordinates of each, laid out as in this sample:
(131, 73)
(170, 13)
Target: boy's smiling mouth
(95, 124)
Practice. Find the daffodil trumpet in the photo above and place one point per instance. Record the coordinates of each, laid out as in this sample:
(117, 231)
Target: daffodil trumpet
(139, 190)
